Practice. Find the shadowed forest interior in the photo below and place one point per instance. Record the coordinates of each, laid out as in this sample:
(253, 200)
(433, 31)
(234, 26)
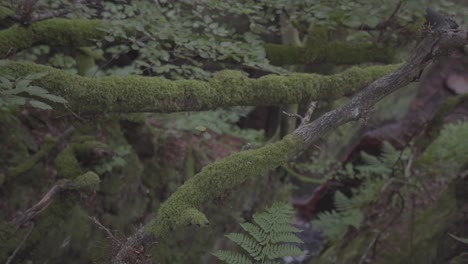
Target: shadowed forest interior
(249, 131)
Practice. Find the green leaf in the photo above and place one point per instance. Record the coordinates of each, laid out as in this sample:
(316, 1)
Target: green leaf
(16, 100)
(14, 91)
(35, 76)
(5, 83)
(54, 98)
(40, 105)
(36, 91)
(22, 83)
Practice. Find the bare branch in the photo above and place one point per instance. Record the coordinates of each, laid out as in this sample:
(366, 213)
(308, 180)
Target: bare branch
(434, 41)
(20, 245)
(39, 207)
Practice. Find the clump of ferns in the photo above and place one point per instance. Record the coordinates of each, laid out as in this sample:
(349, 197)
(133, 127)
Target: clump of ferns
(266, 240)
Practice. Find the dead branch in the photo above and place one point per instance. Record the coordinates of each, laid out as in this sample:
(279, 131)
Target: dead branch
(20, 245)
(39, 207)
(440, 37)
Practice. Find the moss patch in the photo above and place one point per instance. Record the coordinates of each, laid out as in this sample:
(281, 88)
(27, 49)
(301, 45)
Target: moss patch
(182, 207)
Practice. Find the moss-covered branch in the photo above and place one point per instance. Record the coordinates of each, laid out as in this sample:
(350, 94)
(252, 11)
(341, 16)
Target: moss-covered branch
(79, 32)
(227, 88)
(182, 208)
(334, 52)
(54, 32)
(48, 145)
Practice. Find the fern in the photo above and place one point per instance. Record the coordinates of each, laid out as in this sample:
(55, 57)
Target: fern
(265, 240)
(448, 155)
(374, 174)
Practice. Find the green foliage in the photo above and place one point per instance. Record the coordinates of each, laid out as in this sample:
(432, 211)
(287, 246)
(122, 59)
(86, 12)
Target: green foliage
(265, 240)
(221, 121)
(176, 48)
(374, 174)
(448, 154)
(20, 91)
(88, 180)
(117, 160)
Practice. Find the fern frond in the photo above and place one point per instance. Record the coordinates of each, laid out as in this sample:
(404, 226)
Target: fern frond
(266, 238)
(247, 243)
(373, 166)
(342, 202)
(285, 237)
(256, 232)
(274, 251)
(264, 222)
(231, 257)
(390, 155)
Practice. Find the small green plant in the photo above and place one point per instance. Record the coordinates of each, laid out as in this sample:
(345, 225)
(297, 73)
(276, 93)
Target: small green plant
(117, 160)
(267, 240)
(374, 175)
(20, 91)
(448, 155)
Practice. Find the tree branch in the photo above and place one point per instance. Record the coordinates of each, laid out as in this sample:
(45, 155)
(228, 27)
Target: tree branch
(87, 95)
(182, 207)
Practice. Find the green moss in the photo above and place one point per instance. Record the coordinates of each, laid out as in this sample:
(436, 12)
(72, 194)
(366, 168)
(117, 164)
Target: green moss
(54, 32)
(15, 38)
(334, 52)
(89, 180)
(48, 145)
(448, 154)
(85, 64)
(65, 226)
(66, 164)
(215, 179)
(228, 88)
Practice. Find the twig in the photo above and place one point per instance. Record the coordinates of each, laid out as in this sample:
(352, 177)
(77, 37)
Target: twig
(371, 244)
(39, 207)
(20, 245)
(306, 118)
(409, 165)
(134, 248)
(387, 22)
(293, 115)
(379, 232)
(109, 233)
(309, 112)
